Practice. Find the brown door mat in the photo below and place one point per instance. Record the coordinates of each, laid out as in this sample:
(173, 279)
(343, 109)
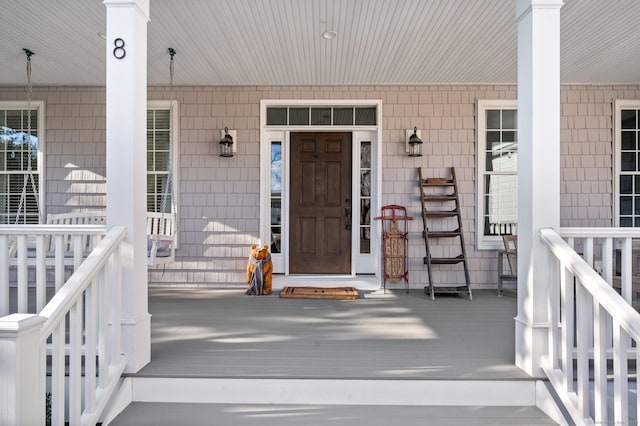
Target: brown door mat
(340, 293)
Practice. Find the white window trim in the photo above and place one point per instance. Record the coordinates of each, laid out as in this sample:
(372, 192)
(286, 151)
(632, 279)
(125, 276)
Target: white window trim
(618, 106)
(485, 242)
(41, 165)
(363, 262)
(174, 108)
(360, 264)
(277, 258)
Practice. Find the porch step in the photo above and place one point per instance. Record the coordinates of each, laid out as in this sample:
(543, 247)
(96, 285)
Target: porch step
(159, 414)
(238, 401)
(334, 391)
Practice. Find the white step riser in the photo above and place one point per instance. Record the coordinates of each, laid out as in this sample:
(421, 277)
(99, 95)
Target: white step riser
(336, 392)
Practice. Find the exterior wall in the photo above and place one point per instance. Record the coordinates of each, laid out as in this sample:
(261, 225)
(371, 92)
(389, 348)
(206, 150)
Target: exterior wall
(219, 197)
(586, 137)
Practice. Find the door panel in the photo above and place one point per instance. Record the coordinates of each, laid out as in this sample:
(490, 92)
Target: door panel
(320, 235)
(308, 195)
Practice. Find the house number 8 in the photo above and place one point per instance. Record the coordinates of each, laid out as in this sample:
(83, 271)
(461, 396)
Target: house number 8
(119, 51)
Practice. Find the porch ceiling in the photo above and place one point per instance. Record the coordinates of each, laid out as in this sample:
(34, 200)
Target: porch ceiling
(279, 42)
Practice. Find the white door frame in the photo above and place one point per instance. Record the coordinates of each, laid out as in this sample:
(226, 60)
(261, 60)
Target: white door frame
(360, 263)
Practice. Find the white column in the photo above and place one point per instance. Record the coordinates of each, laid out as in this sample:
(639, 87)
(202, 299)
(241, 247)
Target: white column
(126, 109)
(22, 370)
(538, 169)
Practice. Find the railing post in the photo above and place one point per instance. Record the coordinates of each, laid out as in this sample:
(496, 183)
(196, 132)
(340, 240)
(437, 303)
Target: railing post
(22, 394)
(538, 170)
(4, 275)
(126, 112)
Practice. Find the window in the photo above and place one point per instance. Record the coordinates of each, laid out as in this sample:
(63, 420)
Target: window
(365, 197)
(21, 162)
(276, 196)
(497, 157)
(321, 116)
(162, 163)
(627, 163)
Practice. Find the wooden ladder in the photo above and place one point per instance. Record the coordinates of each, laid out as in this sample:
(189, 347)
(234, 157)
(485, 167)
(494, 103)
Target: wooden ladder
(441, 219)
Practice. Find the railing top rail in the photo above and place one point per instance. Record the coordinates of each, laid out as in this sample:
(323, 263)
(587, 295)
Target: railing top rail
(599, 232)
(63, 300)
(52, 229)
(606, 296)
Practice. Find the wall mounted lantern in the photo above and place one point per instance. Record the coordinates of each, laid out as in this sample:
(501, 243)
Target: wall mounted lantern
(413, 143)
(227, 147)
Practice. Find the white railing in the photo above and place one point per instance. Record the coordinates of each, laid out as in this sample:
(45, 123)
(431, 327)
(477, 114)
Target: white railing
(36, 257)
(78, 335)
(591, 322)
(610, 251)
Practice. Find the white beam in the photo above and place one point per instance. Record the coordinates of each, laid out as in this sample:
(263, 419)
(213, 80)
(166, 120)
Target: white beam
(538, 169)
(126, 109)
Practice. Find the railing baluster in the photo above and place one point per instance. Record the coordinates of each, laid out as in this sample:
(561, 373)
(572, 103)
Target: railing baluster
(41, 273)
(627, 272)
(620, 386)
(571, 241)
(566, 289)
(4, 275)
(75, 362)
(59, 260)
(583, 332)
(78, 250)
(554, 312)
(588, 318)
(601, 343)
(23, 296)
(588, 250)
(607, 260)
(58, 374)
(626, 286)
(607, 274)
(103, 332)
(115, 274)
(91, 327)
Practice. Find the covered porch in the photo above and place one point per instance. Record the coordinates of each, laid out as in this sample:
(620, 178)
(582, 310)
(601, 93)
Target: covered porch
(568, 173)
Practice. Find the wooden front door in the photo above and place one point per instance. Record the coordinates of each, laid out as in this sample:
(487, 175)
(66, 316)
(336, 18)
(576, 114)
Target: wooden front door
(320, 200)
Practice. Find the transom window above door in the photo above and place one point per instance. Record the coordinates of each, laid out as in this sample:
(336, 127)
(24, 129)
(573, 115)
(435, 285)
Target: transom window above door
(321, 116)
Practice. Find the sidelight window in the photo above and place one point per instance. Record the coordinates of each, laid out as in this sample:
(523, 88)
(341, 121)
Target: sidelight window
(276, 197)
(365, 197)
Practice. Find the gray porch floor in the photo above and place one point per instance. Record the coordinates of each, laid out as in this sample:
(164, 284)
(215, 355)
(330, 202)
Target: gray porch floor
(223, 333)
(395, 336)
